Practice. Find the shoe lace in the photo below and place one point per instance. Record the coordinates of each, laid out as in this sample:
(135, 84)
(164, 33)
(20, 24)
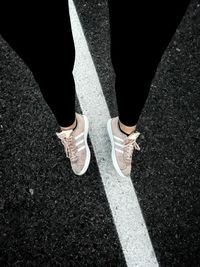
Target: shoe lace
(130, 145)
(71, 151)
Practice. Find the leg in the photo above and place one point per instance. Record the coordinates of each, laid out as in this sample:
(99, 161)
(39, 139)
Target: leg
(137, 44)
(40, 32)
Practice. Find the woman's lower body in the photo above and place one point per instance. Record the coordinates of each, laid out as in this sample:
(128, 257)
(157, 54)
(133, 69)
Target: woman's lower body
(40, 32)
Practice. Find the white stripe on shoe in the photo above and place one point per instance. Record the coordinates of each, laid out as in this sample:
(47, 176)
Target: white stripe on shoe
(78, 136)
(78, 143)
(81, 148)
(119, 144)
(119, 150)
(127, 216)
(118, 138)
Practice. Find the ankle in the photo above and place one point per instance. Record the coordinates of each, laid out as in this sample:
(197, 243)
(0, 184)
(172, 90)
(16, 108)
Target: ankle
(126, 129)
(73, 126)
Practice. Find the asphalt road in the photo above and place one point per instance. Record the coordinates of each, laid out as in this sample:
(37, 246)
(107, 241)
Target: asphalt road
(51, 217)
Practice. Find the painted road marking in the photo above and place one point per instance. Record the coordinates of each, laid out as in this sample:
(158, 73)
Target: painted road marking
(126, 212)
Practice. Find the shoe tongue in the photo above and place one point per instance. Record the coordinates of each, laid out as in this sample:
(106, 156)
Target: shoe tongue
(66, 133)
(133, 136)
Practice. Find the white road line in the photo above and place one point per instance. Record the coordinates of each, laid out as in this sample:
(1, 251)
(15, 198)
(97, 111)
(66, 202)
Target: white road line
(127, 216)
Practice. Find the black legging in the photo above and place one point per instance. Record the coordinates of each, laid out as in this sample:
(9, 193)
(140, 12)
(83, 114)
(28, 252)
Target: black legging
(40, 32)
(139, 35)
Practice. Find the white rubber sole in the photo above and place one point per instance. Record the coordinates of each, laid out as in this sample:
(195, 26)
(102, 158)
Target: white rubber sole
(114, 160)
(88, 154)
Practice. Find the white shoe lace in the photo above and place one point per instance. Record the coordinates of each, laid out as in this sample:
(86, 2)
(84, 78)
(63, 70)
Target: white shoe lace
(130, 145)
(71, 151)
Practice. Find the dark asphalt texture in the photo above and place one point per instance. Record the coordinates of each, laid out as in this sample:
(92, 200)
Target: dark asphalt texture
(51, 217)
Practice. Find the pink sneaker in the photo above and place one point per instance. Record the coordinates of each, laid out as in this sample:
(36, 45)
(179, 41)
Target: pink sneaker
(76, 146)
(122, 147)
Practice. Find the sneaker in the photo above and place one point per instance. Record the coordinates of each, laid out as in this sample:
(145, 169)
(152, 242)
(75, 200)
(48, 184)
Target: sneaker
(76, 146)
(122, 147)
